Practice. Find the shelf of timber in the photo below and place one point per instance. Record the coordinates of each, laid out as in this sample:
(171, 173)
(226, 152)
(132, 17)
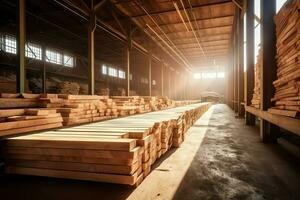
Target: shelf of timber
(119, 151)
(287, 123)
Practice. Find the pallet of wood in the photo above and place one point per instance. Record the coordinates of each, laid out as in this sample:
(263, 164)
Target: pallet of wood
(255, 102)
(117, 151)
(287, 85)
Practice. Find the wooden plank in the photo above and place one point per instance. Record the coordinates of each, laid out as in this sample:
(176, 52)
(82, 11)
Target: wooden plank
(82, 143)
(76, 159)
(81, 167)
(28, 123)
(288, 123)
(11, 112)
(110, 178)
(288, 113)
(30, 117)
(90, 153)
(9, 95)
(29, 129)
(39, 111)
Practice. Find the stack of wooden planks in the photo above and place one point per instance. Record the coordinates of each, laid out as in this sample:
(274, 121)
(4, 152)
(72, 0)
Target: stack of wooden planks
(287, 95)
(16, 121)
(68, 88)
(24, 100)
(129, 105)
(257, 82)
(76, 109)
(118, 151)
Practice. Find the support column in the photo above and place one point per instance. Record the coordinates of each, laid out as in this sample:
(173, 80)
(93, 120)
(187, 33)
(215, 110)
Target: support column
(162, 79)
(236, 60)
(91, 51)
(268, 132)
(150, 73)
(169, 83)
(44, 75)
(21, 73)
(249, 83)
(241, 110)
(127, 57)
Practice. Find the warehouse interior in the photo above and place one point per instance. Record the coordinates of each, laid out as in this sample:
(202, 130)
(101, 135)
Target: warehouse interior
(149, 99)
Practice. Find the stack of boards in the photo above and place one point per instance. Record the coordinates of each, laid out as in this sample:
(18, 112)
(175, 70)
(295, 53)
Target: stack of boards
(255, 102)
(68, 88)
(15, 121)
(77, 109)
(287, 96)
(74, 109)
(117, 151)
(129, 105)
(19, 113)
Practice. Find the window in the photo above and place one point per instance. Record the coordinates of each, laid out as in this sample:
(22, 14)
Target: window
(279, 4)
(68, 61)
(104, 69)
(33, 51)
(115, 73)
(53, 57)
(130, 77)
(197, 76)
(10, 44)
(153, 82)
(122, 74)
(146, 81)
(112, 72)
(208, 75)
(220, 75)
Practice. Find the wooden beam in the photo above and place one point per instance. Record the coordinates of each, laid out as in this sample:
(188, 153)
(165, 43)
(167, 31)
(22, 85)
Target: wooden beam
(150, 73)
(268, 131)
(200, 21)
(287, 123)
(249, 83)
(21, 74)
(162, 78)
(241, 110)
(91, 52)
(204, 6)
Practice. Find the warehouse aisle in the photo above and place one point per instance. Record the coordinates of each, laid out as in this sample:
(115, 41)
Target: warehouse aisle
(220, 159)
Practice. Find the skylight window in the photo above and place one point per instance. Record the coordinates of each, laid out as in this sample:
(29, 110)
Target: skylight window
(68, 61)
(53, 57)
(33, 51)
(10, 44)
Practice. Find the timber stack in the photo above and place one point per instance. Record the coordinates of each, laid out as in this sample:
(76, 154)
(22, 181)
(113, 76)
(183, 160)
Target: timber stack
(287, 85)
(257, 84)
(120, 151)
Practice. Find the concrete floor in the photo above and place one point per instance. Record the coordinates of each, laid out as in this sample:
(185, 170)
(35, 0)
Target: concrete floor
(220, 159)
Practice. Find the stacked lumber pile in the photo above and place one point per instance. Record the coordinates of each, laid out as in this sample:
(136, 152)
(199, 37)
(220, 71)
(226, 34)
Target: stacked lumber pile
(287, 95)
(150, 103)
(16, 121)
(77, 109)
(164, 103)
(255, 102)
(24, 100)
(68, 88)
(129, 105)
(116, 151)
(184, 103)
